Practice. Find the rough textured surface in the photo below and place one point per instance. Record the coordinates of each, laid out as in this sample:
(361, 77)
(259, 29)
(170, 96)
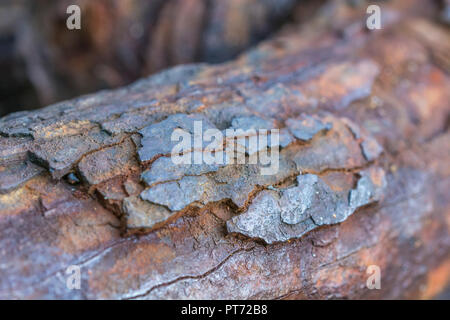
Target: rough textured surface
(292, 212)
(365, 182)
(306, 127)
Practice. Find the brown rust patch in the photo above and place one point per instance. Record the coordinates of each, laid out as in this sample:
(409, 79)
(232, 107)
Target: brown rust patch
(85, 228)
(140, 258)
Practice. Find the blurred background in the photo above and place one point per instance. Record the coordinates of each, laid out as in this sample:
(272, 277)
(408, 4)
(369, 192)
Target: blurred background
(42, 62)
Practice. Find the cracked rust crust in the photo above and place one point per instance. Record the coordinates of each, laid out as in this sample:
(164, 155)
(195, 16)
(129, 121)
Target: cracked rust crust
(363, 176)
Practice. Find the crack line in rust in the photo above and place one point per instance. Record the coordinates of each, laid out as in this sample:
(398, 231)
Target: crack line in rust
(203, 275)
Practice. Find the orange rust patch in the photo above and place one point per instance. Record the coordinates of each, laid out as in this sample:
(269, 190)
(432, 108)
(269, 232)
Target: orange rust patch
(141, 258)
(16, 201)
(86, 230)
(437, 280)
(64, 129)
(377, 177)
(339, 181)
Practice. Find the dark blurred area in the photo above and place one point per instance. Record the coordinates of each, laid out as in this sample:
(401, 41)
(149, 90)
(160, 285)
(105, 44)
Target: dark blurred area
(42, 61)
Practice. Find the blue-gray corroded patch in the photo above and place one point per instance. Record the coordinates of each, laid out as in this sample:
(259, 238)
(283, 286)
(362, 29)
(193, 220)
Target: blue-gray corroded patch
(290, 213)
(306, 127)
(164, 169)
(156, 138)
(233, 182)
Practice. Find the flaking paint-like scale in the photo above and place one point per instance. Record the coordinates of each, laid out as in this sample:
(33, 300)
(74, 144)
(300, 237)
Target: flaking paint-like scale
(306, 127)
(156, 138)
(292, 212)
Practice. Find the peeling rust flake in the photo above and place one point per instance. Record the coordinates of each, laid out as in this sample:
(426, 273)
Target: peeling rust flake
(284, 214)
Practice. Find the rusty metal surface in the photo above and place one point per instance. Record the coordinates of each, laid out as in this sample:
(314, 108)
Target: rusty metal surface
(363, 179)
